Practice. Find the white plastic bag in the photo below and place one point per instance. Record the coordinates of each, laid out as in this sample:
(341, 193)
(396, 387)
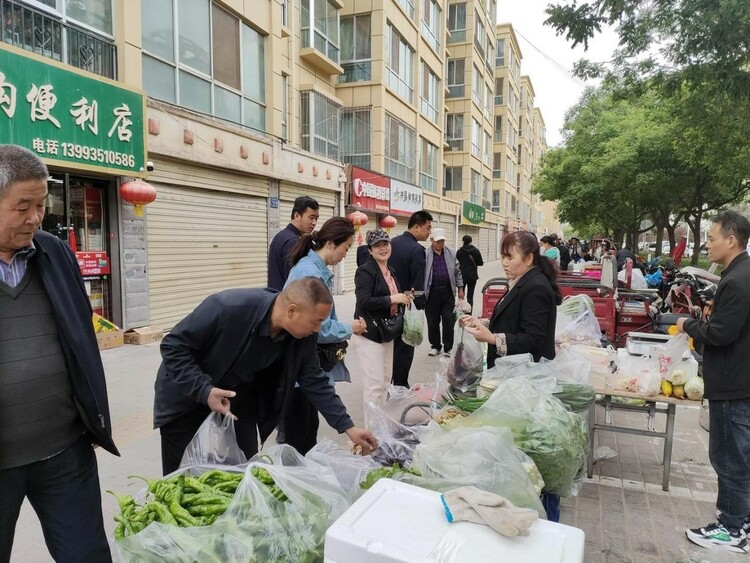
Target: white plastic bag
(414, 321)
(466, 364)
(401, 401)
(396, 442)
(669, 355)
(348, 468)
(584, 329)
(215, 442)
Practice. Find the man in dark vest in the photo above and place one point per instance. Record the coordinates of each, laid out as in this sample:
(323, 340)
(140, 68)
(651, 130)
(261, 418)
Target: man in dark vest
(53, 396)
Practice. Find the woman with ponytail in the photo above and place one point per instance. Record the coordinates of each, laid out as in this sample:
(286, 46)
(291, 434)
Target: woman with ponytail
(312, 255)
(524, 319)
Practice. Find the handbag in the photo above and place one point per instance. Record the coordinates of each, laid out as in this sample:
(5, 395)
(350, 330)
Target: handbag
(391, 328)
(330, 354)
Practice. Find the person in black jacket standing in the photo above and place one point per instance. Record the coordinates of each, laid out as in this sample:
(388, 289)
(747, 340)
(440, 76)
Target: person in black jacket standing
(469, 259)
(241, 351)
(305, 215)
(408, 261)
(726, 354)
(524, 319)
(53, 395)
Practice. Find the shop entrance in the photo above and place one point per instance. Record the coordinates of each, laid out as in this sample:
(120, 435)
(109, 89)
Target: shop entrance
(77, 212)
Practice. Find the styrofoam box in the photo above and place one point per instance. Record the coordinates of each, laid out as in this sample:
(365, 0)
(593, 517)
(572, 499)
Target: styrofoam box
(395, 522)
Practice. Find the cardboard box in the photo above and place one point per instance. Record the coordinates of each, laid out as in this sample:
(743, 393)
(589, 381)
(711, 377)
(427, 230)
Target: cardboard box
(143, 335)
(110, 339)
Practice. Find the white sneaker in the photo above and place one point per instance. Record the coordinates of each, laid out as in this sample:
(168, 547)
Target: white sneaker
(433, 352)
(447, 354)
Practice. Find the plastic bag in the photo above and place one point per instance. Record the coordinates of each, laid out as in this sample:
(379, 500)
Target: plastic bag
(466, 364)
(635, 374)
(584, 329)
(396, 442)
(483, 457)
(413, 326)
(402, 400)
(540, 373)
(637, 279)
(669, 355)
(578, 397)
(215, 442)
(570, 365)
(463, 306)
(553, 436)
(348, 469)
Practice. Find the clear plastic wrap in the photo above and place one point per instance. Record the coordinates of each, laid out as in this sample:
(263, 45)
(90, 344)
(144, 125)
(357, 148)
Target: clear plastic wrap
(426, 396)
(466, 364)
(669, 355)
(349, 469)
(414, 322)
(553, 436)
(584, 329)
(482, 457)
(215, 442)
(522, 365)
(570, 365)
(396, 442)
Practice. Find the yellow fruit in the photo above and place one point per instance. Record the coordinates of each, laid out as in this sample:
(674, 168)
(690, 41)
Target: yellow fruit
(666, 388)
(678, 391)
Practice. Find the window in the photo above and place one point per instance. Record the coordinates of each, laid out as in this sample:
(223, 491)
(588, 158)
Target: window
(218, 67)
(430, 93)
(319, 26)
(512, 138)
(491, 13)
(512, 101)
(408, 7)
(428, 165)
(456, 75)
(399, 65)
(453, 179)
(431, 20)
(476, 187)
(496, 201)
(487, 99)
(499, 85)
(284, 12)
(500, 53)
(497, 162)
(400, 149)
(476, 138)
(96, 14)
(285, 107)
(319, 124)
(485, 193)
(498, 129)
(478, 85)
(478, 34)
(489, 61)
(355, 137)
(454, 131)
(487, 148)
(510, 169)
(356, 49)
(457, 22)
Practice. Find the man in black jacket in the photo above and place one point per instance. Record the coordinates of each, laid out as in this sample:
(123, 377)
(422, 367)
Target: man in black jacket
(242, 350)
(305, 215)
(408, 261)
(726, 354)
(469, 258)
(53, 395)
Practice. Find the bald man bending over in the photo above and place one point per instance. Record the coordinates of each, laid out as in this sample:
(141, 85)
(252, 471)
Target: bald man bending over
(241, 351)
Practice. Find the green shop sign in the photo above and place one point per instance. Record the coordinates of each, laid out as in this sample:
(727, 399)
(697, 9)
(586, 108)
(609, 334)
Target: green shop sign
(473, 213)
(67, 116)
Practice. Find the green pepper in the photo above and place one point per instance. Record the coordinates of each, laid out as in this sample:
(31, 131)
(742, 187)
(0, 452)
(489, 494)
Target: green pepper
(120, 531)
(162, 513)
(227, 486)
(126, 502)
(265, 477)
(127, 524)
(198, 487)
(207, 509)
(193, 499)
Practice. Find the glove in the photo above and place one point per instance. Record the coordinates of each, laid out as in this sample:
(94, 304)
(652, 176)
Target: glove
(481, 507)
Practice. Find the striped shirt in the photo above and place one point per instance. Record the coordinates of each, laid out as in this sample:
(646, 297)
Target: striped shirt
(12, 273)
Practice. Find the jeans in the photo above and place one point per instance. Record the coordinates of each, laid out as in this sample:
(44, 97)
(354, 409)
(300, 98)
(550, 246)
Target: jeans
(439, 309)
(729, 452)
(65, 493)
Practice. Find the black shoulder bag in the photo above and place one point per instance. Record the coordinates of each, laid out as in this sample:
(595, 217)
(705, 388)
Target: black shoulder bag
(330, 354)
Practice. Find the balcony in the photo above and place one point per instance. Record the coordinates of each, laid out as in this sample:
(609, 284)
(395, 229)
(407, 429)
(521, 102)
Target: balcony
(320, 61)
(356, 71)
(45, 35)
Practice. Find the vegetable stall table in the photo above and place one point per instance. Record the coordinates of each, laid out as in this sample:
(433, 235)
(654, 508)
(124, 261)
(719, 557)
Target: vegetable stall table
(650, 409)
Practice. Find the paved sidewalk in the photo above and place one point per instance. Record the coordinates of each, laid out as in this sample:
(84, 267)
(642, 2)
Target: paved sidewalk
(623, 511)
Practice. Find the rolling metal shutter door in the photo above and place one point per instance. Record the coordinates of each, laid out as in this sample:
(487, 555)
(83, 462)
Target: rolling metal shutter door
(495, 250)
(448, 222)
(484, 242)
(201, 242)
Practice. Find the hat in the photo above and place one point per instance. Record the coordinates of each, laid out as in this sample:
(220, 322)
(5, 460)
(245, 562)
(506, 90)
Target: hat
(374, 237)
(438, 234)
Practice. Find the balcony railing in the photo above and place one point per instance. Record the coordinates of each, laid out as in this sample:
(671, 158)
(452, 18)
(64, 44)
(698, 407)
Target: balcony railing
(40, 33)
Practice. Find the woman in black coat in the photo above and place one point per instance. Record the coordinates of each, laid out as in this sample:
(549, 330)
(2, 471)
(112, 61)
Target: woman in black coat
(524, 319)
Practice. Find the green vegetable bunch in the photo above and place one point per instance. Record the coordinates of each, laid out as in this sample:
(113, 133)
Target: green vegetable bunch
(179, 500)
(463, 403)
(385, 472)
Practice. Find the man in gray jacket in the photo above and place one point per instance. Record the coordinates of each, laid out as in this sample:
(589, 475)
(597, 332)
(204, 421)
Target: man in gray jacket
(442, 281)
(725, 336)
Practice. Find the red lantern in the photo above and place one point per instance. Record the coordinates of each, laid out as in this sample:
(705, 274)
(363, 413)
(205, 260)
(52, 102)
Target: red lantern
(358, 219)
(139, 193)
(387, 223)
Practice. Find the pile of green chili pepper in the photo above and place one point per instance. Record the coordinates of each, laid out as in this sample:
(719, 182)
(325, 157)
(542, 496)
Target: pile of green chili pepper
(179, 500)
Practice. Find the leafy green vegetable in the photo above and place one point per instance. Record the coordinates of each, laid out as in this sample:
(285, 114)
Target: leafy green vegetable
(385, 472)
(413, 333)
(578, 397)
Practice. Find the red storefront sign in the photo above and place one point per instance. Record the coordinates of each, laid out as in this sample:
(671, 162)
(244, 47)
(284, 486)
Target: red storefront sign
(370, 191)
(93, 263)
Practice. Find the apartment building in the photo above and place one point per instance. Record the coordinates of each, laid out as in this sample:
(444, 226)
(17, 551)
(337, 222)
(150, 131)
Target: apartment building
(469, 126)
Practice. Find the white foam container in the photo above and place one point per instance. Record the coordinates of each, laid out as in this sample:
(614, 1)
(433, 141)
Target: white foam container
(395, 522)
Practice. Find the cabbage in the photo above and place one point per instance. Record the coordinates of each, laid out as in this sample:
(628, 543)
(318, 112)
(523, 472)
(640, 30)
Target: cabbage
(678, 377)
(694, 388)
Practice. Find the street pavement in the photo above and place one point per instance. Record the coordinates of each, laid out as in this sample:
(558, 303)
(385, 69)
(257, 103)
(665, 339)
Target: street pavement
(622, 509)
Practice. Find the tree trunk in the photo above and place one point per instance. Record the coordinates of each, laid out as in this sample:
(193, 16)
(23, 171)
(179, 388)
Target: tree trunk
(670, 234)
(696, 246)
(659, 238)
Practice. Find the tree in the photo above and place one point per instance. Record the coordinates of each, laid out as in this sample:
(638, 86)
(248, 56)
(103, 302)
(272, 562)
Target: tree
(670, 42)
